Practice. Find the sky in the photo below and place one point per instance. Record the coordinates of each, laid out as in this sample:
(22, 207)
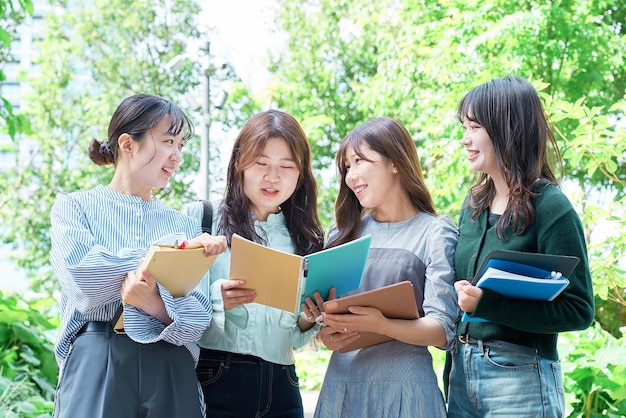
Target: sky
(242, 35)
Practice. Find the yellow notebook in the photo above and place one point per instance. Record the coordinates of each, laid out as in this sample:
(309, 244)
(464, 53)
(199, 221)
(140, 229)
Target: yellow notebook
(283, 280)
(179, 271)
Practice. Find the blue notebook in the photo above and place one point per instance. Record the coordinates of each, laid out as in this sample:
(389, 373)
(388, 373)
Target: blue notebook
(522, 275)
(283, 280)
(340, 267)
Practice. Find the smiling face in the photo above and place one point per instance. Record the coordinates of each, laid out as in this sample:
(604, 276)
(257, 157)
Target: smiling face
(481, 154)
(159, 155)
(271, 179)
(148, 162)
(371, 178)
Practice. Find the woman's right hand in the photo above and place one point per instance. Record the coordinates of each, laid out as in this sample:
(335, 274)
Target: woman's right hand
(213, 244)
(233, 295)
(468, 295)
(334, 339)
(141, 291)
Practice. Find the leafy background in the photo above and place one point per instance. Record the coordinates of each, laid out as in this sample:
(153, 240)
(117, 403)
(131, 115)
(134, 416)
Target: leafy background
(343, 61)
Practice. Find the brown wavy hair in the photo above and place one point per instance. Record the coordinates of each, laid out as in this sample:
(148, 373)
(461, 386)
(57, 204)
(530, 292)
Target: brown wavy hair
(389, 138)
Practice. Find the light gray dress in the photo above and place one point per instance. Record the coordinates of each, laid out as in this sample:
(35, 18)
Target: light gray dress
(395, 379)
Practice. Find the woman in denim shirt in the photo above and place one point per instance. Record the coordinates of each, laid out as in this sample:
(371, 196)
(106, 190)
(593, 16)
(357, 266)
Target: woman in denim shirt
(383, 193)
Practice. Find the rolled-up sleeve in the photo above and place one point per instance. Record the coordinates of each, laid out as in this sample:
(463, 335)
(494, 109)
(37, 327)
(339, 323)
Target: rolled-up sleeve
(89, 274)
(190, 315)
(440, 299)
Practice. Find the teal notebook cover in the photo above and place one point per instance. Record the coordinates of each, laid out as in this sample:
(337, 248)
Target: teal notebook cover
(340, 267)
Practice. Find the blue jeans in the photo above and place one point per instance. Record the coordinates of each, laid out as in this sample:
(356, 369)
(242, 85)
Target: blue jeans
(237, 385)
(489, 382)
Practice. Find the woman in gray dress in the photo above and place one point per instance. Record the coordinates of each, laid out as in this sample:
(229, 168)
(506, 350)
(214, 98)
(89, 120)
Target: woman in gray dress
(383, 193)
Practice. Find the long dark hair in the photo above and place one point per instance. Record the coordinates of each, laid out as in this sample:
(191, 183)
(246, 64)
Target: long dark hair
(300, 209)
(135, 116)
(389, 138)
(511, 112)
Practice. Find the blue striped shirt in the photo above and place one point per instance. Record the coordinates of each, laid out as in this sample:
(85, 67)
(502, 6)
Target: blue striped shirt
(97, 237)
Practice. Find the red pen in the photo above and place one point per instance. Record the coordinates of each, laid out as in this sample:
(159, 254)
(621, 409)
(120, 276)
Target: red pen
(182, 245)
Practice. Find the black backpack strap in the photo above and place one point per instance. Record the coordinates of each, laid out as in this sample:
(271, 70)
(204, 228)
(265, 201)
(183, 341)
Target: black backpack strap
(207, 216)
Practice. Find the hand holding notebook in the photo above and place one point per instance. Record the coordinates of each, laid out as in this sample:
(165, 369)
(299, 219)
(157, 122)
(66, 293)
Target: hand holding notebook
(523, 275)
(395, 301)
(177, 269)
(283, 280)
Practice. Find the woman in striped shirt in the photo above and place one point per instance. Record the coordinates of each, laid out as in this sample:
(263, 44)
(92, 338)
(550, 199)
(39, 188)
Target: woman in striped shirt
(99, 237)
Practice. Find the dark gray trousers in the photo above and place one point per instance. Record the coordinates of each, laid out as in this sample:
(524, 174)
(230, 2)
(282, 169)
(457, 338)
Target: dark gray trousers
(109, 375)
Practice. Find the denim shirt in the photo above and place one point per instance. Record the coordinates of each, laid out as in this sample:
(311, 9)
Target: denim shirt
(432, 240)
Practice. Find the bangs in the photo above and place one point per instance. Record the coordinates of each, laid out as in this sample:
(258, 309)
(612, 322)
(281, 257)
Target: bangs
(353, 141)
(467, 110)
(477, 105)
(179, 122)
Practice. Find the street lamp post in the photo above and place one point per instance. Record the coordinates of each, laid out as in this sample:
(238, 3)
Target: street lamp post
(208, 69)
(205, 153)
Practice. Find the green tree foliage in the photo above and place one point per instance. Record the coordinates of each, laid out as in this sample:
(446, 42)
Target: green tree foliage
(345, 61)
(12, 13)
(94, 53)
(28, 370)
(349, 60)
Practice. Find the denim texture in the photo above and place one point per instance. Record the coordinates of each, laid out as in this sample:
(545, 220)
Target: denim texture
(486, 382)
(237, 385)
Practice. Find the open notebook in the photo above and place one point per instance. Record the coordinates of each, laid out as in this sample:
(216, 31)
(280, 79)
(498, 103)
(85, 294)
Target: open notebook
(283, 280)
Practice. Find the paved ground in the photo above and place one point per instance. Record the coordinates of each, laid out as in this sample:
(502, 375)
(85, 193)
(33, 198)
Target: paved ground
(309, 399)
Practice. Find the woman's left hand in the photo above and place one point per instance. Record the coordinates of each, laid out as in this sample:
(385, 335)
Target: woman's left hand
(312, 309)
(336, 340)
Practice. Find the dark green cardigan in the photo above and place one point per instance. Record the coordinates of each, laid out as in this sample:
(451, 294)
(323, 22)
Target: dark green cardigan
(557, 230)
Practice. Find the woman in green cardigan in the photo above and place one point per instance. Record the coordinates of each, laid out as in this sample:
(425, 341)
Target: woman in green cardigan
(507, 364)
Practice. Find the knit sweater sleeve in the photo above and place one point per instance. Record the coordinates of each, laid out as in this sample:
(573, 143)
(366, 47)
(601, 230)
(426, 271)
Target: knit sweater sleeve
(557, 230)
